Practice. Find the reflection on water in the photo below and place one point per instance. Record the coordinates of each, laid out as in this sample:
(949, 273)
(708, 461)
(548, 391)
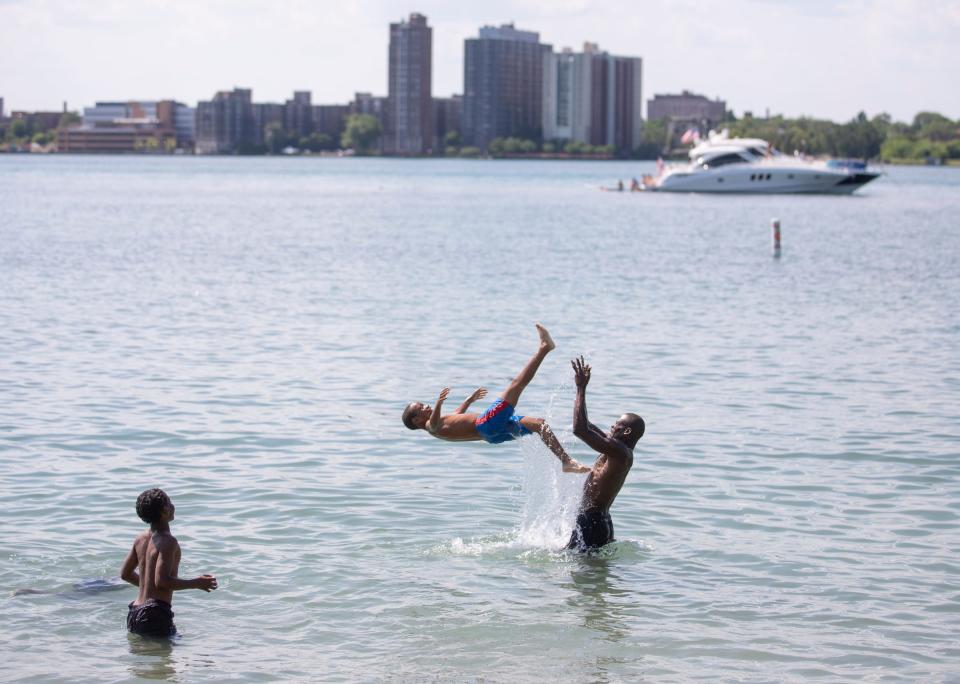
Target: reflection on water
(599, 597)
(153, 657)
(600, 600)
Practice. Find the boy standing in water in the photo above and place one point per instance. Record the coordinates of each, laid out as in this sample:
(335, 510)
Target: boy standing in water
(152, 566)
(594, 527)
(497, 423)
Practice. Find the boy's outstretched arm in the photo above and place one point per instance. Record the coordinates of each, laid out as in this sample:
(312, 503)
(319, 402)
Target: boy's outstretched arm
(434, 423)
(478, 393)
(568, 464)
(166, 572)
(128, 573)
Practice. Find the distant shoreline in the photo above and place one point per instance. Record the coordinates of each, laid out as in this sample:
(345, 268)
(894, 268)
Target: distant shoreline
(542, 156)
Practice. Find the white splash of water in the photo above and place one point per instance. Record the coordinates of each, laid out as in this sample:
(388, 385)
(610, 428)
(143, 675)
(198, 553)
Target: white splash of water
(550, 496)
(550, 499)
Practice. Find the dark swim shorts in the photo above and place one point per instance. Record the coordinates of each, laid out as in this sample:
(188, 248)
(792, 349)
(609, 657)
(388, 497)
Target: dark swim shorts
(594, 528)
(151, 618)
(498, 424)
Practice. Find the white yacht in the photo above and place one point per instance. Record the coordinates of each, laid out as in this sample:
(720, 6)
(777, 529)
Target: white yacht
(724, 164)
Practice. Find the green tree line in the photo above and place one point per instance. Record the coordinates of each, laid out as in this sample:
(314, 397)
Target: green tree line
(930, 136)
(22, 132)
(361, 134)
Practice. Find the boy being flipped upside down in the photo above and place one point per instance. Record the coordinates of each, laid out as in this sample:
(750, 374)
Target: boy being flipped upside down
(496, 424)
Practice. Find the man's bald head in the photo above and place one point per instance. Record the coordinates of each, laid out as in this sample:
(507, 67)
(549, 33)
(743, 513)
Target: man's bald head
(629, 428)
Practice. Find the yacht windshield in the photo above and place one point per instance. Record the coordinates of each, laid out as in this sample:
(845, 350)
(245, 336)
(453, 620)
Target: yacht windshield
(722, 160)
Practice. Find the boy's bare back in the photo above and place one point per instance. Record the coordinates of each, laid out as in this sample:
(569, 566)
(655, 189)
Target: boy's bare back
(148, 547)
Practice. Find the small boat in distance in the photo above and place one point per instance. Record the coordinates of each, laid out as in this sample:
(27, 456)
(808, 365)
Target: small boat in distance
(751, 165)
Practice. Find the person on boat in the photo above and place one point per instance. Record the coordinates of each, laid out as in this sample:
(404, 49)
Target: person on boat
(594, 526)
(498, 423)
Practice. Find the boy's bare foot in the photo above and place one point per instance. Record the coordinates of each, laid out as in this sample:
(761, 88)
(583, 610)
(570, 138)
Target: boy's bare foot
(545, 339)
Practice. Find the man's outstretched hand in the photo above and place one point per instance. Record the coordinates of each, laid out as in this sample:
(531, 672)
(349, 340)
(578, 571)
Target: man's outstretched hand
(581, 372)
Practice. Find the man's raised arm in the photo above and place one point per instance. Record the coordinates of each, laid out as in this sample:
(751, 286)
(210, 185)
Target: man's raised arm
(434, 423)
(582, 427)
(478, 393)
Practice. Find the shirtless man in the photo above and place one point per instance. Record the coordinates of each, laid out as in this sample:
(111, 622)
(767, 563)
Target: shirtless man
(594, 526)
(498, 423)
(152, 566)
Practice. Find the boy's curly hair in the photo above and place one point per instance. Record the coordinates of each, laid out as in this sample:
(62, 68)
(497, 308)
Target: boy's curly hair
(150, 505)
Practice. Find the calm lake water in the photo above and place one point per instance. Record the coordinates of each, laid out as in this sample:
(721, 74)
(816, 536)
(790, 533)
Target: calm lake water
(245, 332)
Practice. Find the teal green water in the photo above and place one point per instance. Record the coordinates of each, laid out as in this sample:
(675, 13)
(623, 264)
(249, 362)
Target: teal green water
(245, 332)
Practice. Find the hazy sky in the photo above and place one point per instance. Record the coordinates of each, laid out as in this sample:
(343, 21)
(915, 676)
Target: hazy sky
(810, 57)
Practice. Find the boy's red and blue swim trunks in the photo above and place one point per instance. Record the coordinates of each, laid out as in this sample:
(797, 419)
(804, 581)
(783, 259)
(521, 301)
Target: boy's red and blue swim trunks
(498, 424)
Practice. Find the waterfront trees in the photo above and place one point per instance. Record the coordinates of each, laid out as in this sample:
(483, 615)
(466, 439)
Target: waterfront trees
(361, 134)
(931, 136)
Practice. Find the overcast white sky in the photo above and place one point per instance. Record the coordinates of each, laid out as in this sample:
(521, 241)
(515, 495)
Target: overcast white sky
(804, 57)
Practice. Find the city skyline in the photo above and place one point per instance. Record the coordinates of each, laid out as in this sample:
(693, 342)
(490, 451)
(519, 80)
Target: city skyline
(827, 60)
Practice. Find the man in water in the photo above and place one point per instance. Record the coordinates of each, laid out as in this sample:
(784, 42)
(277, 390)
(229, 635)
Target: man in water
(152, 566)
(497, 423)
(594, 526)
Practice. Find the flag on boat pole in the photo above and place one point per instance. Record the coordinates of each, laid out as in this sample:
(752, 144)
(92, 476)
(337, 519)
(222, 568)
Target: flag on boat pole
(692, 135)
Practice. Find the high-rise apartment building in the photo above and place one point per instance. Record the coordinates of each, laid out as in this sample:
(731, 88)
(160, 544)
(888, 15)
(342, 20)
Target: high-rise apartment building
(297, 118)
(298, 114)
(268, 117)
(593, 97)
(503, 85)
(330, 120)
(409, 116)
(368, 103)
(226, 123)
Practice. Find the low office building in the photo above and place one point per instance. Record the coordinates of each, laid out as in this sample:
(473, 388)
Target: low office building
(112, 127)
(167, 113)
(687, 107)
(39, 121)
(120, 135)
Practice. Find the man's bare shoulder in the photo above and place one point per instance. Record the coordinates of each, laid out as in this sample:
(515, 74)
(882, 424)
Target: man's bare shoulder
(165, 542)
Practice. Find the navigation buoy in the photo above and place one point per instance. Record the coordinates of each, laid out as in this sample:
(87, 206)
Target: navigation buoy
(776, 238)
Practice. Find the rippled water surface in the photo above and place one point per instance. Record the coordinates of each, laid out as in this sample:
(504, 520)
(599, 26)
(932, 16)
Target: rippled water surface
(245, 332)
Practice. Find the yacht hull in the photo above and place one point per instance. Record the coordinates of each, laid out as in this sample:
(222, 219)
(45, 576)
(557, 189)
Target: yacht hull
(754, 179)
